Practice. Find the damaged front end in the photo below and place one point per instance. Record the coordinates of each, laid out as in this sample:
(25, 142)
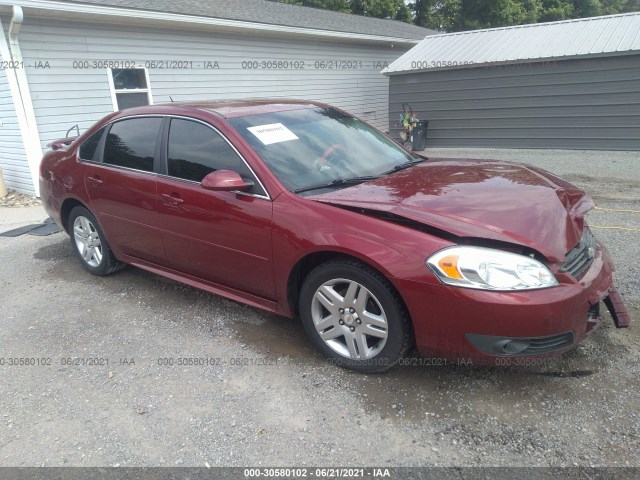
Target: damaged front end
(617, 308)
(577, 263)
(501, 207)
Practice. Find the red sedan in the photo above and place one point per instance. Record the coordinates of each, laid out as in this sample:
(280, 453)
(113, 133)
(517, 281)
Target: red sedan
(301, 209)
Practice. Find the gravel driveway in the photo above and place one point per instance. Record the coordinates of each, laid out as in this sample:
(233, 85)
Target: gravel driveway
(112, 387)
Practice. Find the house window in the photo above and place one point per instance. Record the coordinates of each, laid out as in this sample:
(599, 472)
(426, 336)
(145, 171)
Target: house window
(129, 87)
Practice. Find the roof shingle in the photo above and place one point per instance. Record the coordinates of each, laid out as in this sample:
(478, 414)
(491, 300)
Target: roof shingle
(274, 13)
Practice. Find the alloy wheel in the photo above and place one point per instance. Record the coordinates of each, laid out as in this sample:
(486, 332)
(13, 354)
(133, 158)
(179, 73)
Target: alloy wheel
(349, 319)
(87, 241)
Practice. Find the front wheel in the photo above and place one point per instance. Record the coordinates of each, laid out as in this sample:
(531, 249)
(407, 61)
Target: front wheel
(354, 316)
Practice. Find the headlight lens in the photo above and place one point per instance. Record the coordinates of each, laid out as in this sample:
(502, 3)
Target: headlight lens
(489, 269)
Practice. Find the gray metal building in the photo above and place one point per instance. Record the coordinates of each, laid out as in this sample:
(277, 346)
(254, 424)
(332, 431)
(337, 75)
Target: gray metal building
(567, 85)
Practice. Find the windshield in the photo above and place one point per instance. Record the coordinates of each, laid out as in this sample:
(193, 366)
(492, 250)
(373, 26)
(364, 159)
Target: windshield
(318, 146)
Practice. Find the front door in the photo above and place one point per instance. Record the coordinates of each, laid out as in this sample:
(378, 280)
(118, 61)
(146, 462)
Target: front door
(222, 237)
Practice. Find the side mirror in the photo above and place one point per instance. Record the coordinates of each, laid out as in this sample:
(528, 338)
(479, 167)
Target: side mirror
(225, 181)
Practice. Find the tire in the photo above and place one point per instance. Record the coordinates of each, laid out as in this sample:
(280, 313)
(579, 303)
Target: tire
(354, 316)
(90, 244)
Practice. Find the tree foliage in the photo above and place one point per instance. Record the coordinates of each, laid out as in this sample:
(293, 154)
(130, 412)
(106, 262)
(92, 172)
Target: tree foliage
(459, 15)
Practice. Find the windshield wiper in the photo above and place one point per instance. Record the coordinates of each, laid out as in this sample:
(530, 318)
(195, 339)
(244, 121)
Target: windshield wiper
(404, 165)
(337, 183)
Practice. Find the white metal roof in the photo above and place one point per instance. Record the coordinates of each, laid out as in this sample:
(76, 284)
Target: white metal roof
(596, 36)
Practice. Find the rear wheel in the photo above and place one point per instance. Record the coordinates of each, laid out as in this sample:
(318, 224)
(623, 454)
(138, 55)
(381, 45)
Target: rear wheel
(90, 245)
(354, 316)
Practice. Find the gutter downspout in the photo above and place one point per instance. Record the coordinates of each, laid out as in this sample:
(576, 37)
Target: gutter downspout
(31, 138)
(15, 92)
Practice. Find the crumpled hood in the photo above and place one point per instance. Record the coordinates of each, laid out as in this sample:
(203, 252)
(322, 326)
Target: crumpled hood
(494, 200)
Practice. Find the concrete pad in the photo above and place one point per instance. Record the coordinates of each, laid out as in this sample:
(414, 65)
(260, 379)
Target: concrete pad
(11, 218)
(593, 163)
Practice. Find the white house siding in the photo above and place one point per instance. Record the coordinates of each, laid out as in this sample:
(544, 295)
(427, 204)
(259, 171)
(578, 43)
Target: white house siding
(63, 95)
(12, 157)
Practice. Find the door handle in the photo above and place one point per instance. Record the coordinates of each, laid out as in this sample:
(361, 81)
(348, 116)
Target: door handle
(172, 199)
(95, 181)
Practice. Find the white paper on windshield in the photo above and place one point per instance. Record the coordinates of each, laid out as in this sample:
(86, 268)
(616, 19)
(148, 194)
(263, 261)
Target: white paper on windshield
(272, 133)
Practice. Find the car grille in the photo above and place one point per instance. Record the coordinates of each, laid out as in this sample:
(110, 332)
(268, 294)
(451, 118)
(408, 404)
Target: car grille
(579, 259)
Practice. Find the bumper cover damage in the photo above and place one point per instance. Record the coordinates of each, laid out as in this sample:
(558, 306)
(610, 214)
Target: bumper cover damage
(617, 309)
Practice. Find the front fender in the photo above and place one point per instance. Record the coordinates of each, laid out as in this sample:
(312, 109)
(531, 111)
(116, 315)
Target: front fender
(303, 228)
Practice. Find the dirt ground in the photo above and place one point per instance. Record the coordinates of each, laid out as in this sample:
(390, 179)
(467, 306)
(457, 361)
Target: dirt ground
(137, 370)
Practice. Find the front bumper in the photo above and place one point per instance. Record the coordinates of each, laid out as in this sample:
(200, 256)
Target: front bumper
(484, 326)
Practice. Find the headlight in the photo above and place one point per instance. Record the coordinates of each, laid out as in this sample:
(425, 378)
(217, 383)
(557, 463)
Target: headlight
(489, 269)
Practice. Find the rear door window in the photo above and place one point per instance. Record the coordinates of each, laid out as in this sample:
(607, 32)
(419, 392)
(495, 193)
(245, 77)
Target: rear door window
(131, 143)
(88, 150)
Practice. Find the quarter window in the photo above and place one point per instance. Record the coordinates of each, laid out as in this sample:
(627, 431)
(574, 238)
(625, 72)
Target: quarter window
(196, 150)
(90, 146)
(132, 143)
(129, 87)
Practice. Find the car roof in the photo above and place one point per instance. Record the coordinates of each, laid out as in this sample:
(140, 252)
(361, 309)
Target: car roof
(227, 108)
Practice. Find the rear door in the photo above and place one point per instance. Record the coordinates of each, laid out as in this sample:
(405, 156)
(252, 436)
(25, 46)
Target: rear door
(222, 237)
(121, 182)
